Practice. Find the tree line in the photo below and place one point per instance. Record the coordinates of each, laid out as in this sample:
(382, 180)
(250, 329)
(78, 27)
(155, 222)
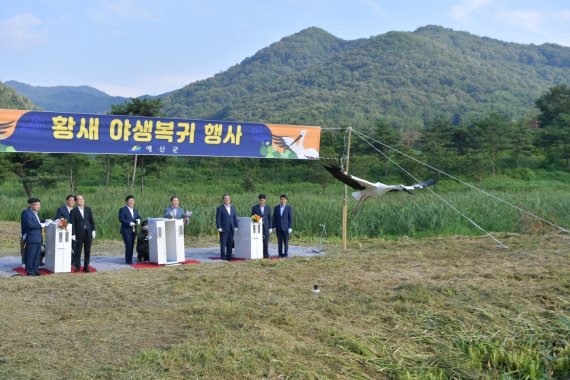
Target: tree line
(474, 149)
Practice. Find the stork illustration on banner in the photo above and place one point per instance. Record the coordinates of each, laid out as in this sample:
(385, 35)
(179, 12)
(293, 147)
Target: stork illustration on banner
(296, 145)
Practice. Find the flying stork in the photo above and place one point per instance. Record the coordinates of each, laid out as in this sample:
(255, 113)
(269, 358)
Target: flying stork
(367, 189)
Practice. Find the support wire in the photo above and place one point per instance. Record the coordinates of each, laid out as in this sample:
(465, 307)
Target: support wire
(363, 136)
(433, 192)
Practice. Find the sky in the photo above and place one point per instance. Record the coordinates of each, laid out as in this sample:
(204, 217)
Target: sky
(137, 47)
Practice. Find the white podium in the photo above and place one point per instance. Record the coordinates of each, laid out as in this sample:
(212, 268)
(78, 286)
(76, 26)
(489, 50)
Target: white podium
(248, 240)
(58, 249)
(167, 243)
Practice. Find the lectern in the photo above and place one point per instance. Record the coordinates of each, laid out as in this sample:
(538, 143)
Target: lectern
(248, 240)
(167, 243)
(58, 248)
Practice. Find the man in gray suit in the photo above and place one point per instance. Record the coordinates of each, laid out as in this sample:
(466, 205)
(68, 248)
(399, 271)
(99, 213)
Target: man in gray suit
(174, 211)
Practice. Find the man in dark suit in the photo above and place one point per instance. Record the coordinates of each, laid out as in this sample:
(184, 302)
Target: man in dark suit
(129, 218)
(63, 211)
(83, 233)
(227, 224)
(32, 236)
(283, 225)
(264, 212)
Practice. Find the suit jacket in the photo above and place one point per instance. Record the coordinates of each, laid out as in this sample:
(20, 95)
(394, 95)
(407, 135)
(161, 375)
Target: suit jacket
(126, 218)
(31, 227)
(62, 212)
(80, 223)
(266, 216)
(179, 212)
(224, 220)
(285, 221)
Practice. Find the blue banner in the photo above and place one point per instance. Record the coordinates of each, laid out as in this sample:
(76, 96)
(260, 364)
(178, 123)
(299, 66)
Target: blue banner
(58, 132)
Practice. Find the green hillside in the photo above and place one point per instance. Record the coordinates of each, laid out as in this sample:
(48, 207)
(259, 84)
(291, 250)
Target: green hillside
(80, 99)
(10, 99)
(406, 77)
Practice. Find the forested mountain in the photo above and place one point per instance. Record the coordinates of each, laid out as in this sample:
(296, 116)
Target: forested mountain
(406, 78)
(80, 99)
(10, 99)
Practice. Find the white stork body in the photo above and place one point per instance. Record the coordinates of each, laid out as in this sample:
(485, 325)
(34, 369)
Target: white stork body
(367, 190)
(378, 189)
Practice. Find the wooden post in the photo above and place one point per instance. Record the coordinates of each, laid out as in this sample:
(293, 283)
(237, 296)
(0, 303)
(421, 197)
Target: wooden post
(345, 200)
(134, 171)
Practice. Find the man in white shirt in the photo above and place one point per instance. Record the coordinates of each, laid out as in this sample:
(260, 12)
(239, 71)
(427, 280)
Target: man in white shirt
(83, 233)
(227, 224)
(129, 218)
(264, 212)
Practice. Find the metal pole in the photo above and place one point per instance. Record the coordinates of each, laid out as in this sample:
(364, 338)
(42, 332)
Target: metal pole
(345, 200)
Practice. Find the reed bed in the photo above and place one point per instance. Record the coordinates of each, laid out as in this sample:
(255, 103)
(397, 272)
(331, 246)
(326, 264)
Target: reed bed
(392, 216)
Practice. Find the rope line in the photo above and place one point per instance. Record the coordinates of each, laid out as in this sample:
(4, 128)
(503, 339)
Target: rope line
(462, 182)
(433, 192)
(328, 213)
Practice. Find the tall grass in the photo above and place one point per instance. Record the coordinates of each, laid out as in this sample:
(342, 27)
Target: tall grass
(391, 216)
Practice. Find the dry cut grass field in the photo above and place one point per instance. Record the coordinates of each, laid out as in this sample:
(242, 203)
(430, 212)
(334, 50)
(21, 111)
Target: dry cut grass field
(432, 308)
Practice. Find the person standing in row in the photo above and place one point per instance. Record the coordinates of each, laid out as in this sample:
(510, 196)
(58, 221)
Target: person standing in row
(83, 233)
(129, 218)
(65, 210)
(174, 211)
(32, 236)
(264, 212)
(283, 225)
(227, 224)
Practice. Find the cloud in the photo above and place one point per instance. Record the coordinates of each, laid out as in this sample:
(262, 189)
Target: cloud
(22, 31)
(525, 19)
(112, 11)
(466, 7)
(374, 5)
(150, 85)
(562, 15)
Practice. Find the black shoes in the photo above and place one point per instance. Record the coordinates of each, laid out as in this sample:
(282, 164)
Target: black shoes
(77, 269)
(86, 270)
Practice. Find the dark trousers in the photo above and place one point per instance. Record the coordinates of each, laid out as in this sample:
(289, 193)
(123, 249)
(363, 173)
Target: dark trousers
(32, 254)
(226, 244)
(266, 244)
(282, 240)
(129, 240)
(80, 243)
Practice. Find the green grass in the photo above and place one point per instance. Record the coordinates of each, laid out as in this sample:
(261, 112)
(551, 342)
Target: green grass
(393, 215)
(437, 308)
